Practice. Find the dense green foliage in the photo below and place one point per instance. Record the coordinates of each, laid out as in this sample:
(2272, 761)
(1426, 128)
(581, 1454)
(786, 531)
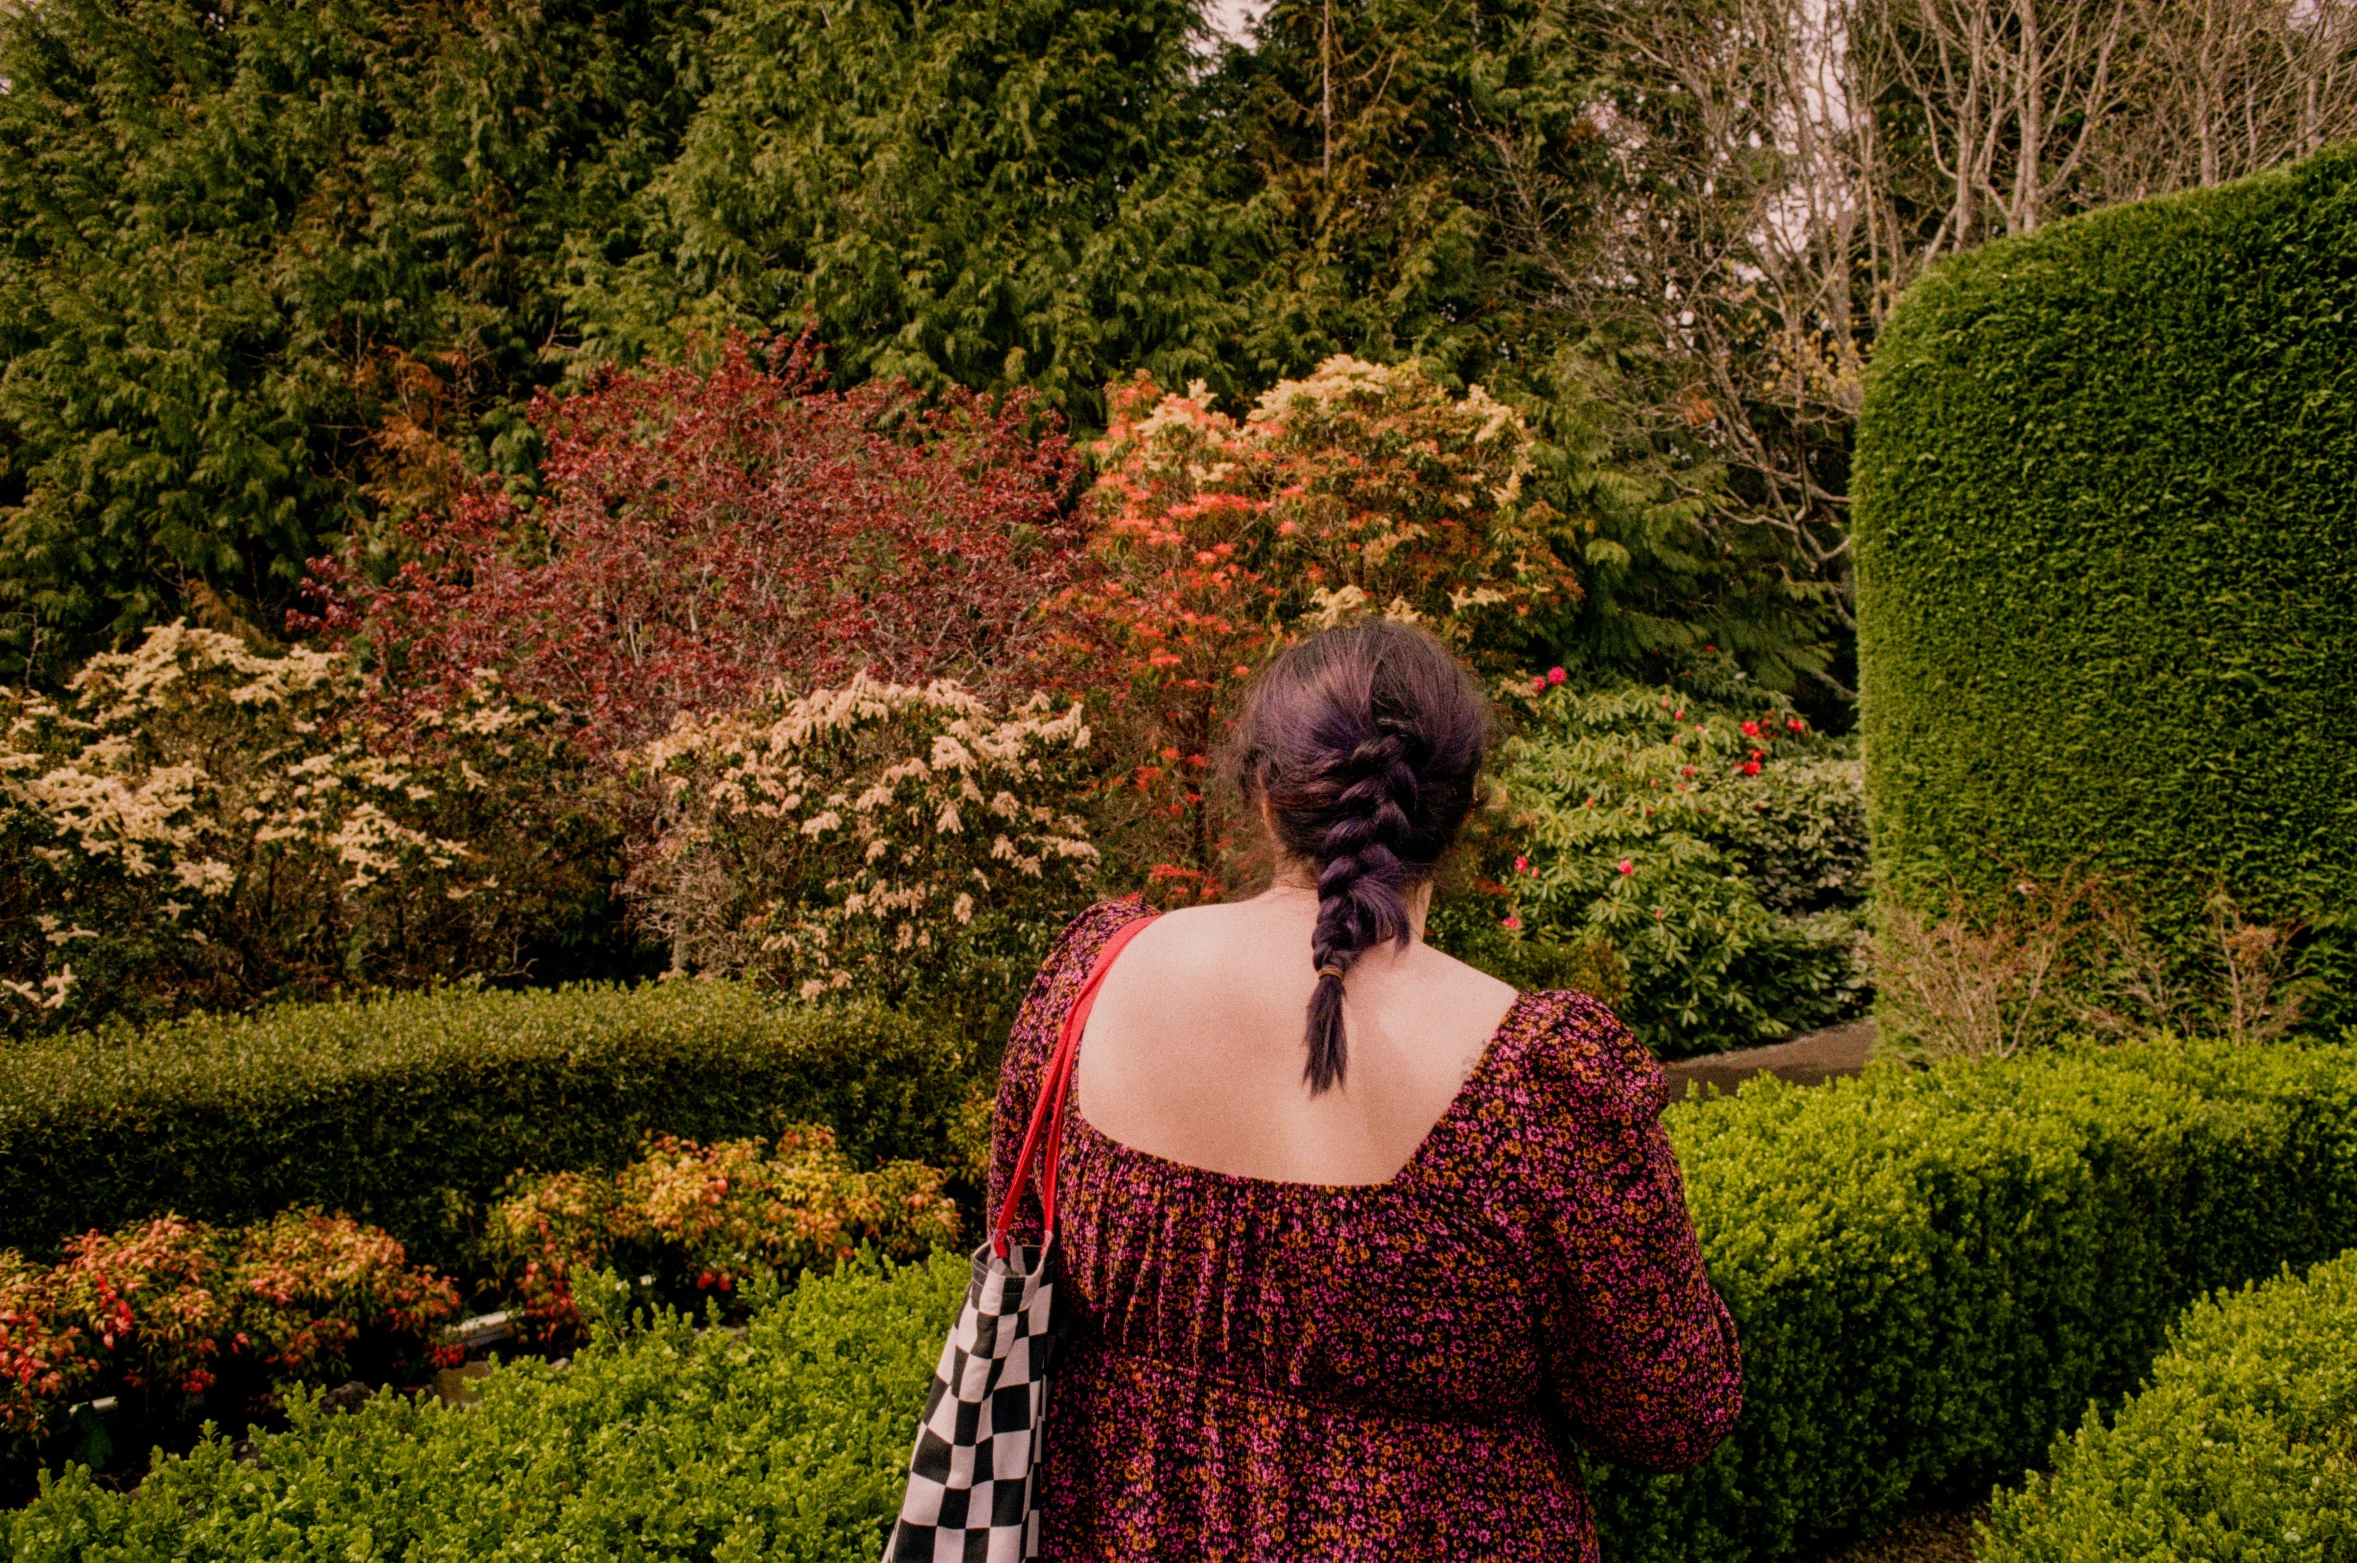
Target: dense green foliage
(982, 195)
(2236, 1449)
(1712, 841)
(789, 1444)
(1932, 1272)
(2107, 556)
(253, 255)
(405, 1112)
(276, 275)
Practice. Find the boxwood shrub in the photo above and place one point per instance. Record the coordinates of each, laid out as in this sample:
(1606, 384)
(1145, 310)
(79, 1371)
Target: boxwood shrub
(1933, 1273)
(2238, 1448)
(788, 1444)
(2107, 547)
(401, 1111)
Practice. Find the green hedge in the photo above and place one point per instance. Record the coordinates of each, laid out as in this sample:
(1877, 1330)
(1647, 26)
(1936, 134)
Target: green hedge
(2107, 557)
(2238, 1449)
(1933, 1272)
(402, 1110)
(789, 1444)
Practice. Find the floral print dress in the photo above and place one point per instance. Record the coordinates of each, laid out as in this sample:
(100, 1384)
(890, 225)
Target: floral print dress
(1270, 1371)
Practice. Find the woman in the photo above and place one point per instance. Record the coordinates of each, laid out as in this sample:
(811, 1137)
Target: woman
(1358, 1302)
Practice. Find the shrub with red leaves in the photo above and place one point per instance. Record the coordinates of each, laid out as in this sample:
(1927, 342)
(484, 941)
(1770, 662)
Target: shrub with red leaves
(706, 533)
(170, 1307)
(43, 1358)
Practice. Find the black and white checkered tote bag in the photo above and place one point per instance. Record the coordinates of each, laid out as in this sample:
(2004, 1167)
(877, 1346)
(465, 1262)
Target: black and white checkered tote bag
(973, 1483)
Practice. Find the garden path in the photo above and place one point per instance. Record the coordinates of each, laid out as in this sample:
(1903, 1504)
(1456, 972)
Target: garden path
(1807, 1060)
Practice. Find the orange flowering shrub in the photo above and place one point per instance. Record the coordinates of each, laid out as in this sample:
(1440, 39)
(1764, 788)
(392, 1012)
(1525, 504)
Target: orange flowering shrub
(1363, 489)
(710, 1217)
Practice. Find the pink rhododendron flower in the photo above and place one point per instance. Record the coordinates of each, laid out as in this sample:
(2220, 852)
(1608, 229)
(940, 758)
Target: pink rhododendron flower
(1751, 767)
(1795, 723)
(1751, 729)
(1510, 922)
(1538, 684)
(1628, 865)
(1556, 675)
(1521, 865)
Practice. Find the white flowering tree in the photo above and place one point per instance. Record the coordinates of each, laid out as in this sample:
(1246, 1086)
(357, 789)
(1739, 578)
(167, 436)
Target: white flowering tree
(906, 842)
(199, 824)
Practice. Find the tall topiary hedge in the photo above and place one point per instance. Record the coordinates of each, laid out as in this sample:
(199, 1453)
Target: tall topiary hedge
(404, 1111)
(2107, 556)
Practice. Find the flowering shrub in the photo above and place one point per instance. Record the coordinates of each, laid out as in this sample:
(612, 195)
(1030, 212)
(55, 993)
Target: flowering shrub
(904, 842)
(43, 1358)
(154, 1297)
(1362, 489)
(168, 1308)
(203, 825)
(1718, 850)
(706, 533)
(710, 1217)
(305, 1285)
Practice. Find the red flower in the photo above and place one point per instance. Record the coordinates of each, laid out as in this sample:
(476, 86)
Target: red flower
(1628, 865)
(1751, 729)
(1521, 865)
(1510, 922)
(1556, 675)
(1795, 723)
(1751, 767)
(1538, 684)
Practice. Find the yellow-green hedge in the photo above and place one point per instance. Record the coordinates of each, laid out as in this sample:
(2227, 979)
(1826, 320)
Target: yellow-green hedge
(402, 1110)
(2236, 1450)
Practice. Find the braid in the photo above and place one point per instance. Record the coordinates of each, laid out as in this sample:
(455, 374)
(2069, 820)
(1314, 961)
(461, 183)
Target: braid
(1360, 880)
(1362, 746)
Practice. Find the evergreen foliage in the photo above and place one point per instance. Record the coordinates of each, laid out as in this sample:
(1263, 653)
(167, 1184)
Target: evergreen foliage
(2108, 556)
(254, 256)
(986, 195)
(276, 277)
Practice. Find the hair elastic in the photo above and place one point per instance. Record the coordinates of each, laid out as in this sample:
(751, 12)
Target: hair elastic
(1335, 972)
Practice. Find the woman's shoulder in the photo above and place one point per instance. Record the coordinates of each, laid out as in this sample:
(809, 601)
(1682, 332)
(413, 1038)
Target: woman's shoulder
(1573, 1051)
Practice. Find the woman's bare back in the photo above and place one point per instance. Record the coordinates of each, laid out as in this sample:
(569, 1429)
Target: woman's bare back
(1193, 1052)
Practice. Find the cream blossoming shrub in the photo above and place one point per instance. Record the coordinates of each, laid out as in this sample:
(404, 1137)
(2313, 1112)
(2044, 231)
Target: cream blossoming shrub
(198, 824)
(877, 838)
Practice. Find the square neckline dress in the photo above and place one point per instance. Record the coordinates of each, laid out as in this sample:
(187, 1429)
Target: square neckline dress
(1257, 1370)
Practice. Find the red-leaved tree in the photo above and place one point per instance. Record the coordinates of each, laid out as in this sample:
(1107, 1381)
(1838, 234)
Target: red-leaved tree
(705, 533)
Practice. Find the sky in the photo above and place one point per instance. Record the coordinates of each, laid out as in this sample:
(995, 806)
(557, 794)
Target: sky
(1230, 18)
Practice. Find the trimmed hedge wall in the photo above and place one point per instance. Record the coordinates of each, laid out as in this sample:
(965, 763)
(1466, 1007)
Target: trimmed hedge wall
(1933, 1272)
(788, 1445)
(2238, 1448)
(2107, 557)
(397, 1110)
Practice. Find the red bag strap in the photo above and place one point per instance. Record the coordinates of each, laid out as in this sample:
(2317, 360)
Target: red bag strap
(1047, 1114)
